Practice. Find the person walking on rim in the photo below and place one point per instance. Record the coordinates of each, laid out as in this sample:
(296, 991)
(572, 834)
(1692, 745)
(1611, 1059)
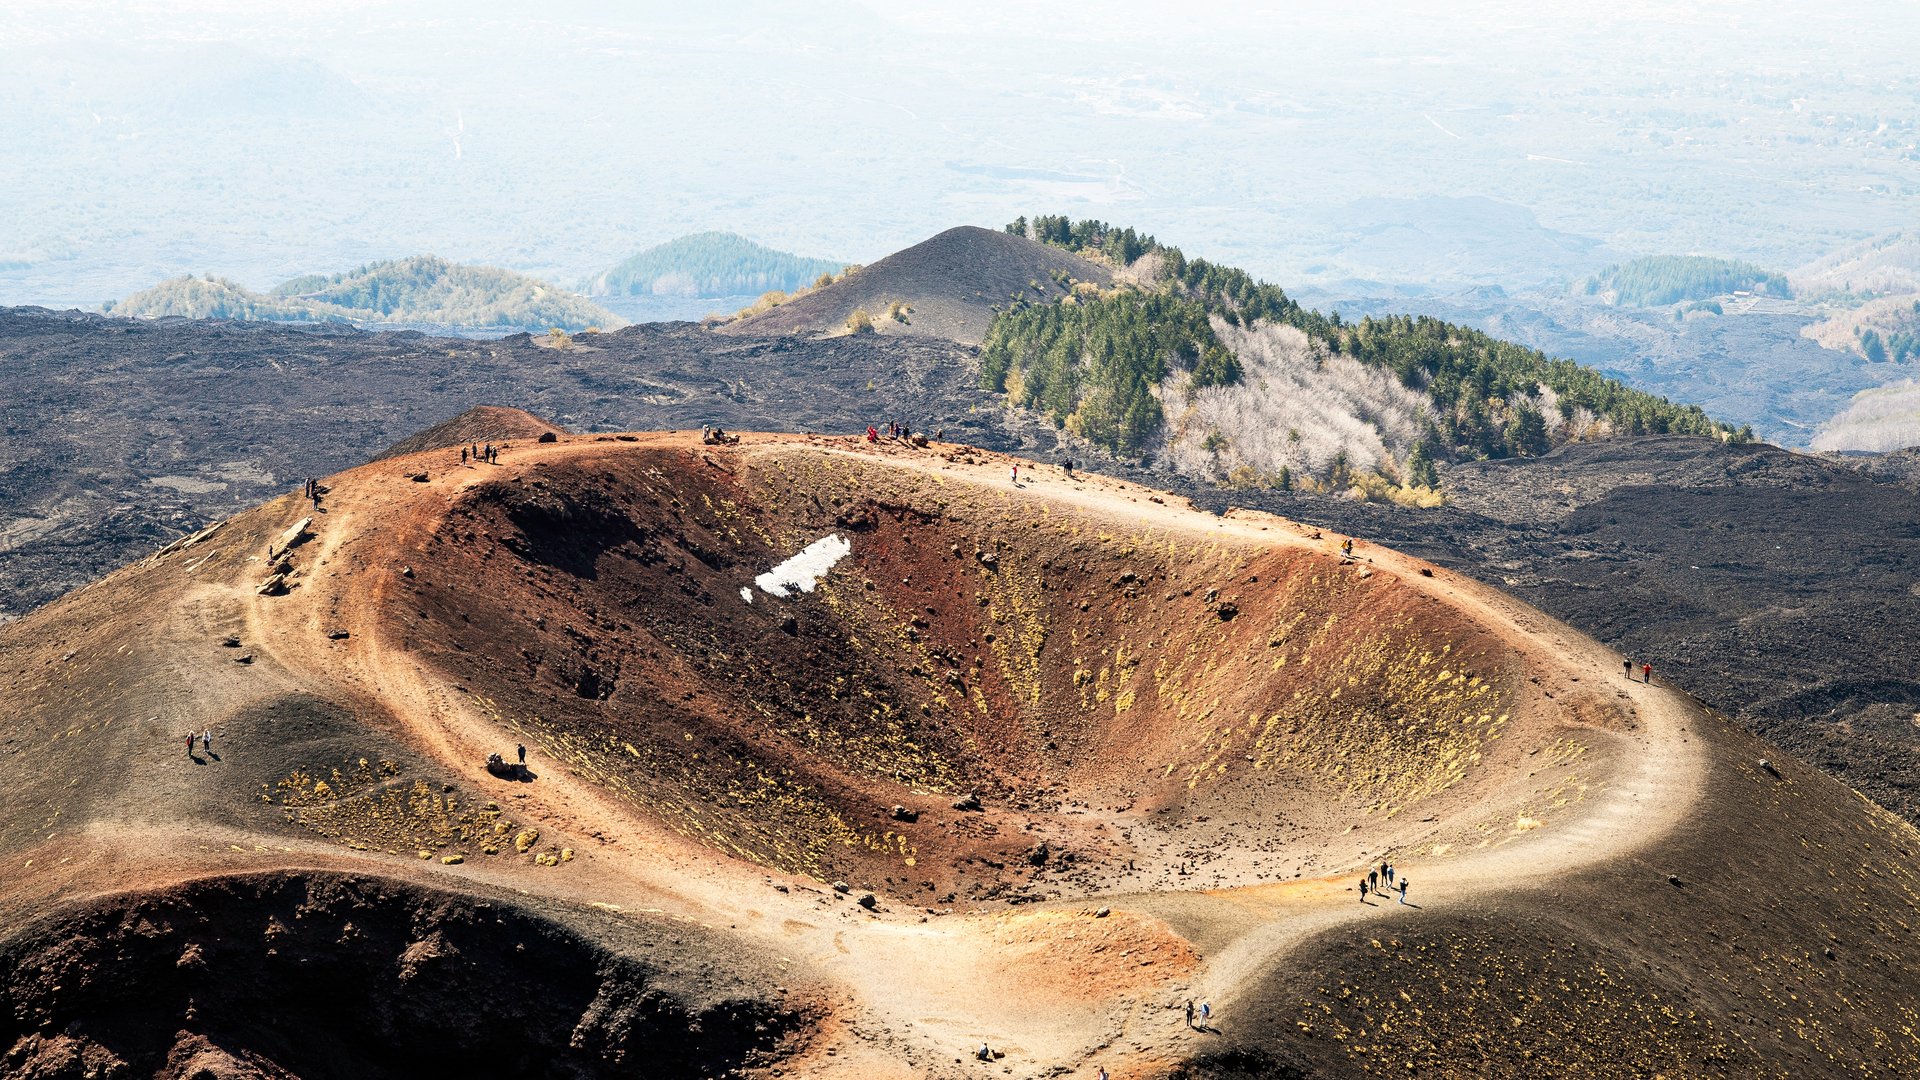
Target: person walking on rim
(1628, 665)
(1646, 673)
(523, 753)
(1189, 1012)
(1363, 890)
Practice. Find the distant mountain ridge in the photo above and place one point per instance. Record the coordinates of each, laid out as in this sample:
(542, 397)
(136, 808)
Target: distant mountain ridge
(422, 289)
(710, 264)
(1883, 266)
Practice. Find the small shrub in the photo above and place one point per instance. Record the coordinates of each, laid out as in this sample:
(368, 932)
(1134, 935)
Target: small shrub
(859, 322)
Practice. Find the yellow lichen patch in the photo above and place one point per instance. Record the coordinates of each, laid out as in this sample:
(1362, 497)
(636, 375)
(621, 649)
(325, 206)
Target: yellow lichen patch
(366, 806)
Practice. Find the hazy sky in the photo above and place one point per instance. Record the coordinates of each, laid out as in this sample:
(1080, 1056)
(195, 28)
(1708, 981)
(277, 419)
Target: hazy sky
(1498, 142)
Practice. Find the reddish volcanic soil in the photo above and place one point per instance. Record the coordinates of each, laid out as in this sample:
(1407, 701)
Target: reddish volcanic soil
(1031, 764)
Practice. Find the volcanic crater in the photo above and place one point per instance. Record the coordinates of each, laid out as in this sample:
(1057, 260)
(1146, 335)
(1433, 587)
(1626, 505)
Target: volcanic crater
(993, 696)
(843, 758)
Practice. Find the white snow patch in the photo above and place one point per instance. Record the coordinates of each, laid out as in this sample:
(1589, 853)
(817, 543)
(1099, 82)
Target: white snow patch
(802, 572)
(746, 594)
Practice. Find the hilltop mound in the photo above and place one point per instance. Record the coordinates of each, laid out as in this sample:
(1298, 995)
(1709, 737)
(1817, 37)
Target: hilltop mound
(949, 285)
(949, 758)
(710, 264)
(480, 424)
(422, 290)
(1658, 280)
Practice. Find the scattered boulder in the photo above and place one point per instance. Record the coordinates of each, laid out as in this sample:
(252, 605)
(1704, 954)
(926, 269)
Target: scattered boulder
(244, 658)
(1769, 768)
(1227, 611)
(868, 901)
(338, 635)
(901, 813)
(1038, 854)
(789, 625)
(842, 887)
(289, 539)
(418, 478)
(1102, 913)
(970, 802)
(1426, 571)
(273, 586)
(406, 571)
(231, 641)
(547, 436)
(1674, 880)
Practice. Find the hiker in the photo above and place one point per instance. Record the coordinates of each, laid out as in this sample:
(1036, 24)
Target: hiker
(1189, 1012)
(1403, 890)
(488, 450)
(1015, 474)
(1373, 879)
(1067, 466)
(1363, 891)
(463, 455)
(1386, 871)
(1103, 1072)
(1206, 1015)
(1646, 673)
(189, 744)
(873, 433)
(1346, 548)
(206, 740)
(1628, 665)
(523, 753)
(983, 1053)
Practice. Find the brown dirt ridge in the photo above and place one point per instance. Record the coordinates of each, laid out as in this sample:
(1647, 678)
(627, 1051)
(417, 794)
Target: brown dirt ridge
(951, 284)
(1029, 764)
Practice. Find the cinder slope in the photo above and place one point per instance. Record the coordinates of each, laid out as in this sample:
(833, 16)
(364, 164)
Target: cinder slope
(1203, 727)
(477, 426)
(952, 284)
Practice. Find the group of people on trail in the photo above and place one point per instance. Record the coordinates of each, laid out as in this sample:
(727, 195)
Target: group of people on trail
(899, 432)
(488, 453)
(204, 738)
(1646, 670)
(1205, 1014)
(1381, 880)
(311, 489)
